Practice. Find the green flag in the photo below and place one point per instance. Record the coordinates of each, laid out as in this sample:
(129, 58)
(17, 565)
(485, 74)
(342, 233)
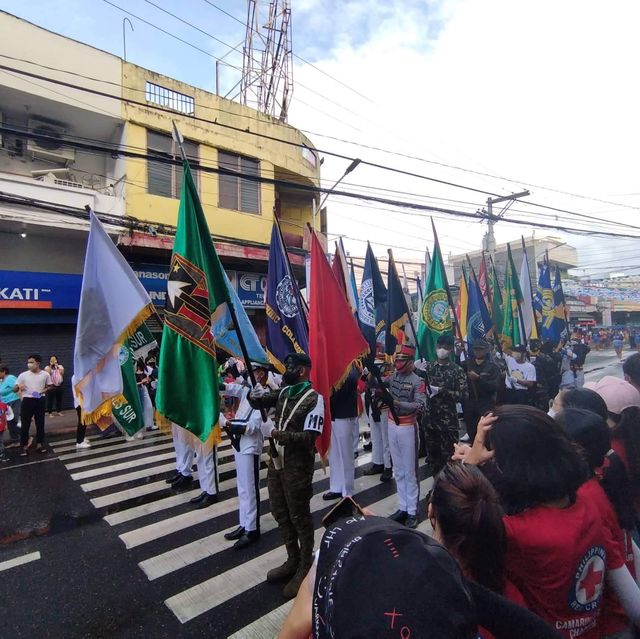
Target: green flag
(435, 314)
(511, 328)
(127, 409)
(188, 387)
(496, 301)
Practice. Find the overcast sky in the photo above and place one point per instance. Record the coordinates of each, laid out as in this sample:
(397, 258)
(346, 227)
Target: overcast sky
(541, 94)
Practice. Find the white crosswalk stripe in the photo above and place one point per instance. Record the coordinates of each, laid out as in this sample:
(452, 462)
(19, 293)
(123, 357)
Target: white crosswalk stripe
(127, 480)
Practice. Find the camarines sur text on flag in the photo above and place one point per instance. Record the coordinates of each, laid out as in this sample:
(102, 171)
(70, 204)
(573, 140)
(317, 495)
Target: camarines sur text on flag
(274, 317)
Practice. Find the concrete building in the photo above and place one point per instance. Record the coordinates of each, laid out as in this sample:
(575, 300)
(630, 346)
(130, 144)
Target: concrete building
(65, 149)
(560, 254)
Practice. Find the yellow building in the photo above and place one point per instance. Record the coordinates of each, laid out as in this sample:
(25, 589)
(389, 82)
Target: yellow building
(66, 110)
(214, 132)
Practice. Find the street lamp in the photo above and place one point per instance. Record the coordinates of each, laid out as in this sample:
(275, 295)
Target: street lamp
(349, 169)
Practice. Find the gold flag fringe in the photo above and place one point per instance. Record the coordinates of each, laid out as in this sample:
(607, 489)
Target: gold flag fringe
(214, 438)
(103, 412)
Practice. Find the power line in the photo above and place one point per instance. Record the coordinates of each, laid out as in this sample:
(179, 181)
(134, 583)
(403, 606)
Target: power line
(299, 145)
(287, 142)
(162, 158)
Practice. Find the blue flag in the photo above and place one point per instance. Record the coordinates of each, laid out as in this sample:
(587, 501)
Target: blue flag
(354, 286)
(560, 321)
(286, 326)
(479, 322)
(372, 304)
(225, 335)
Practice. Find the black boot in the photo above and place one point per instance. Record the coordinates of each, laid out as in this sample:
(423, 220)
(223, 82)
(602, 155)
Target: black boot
(387, 474)
(198, 499)
(234, 534)
(247, 539)
(208, 500)
(374, 469)
(184, 481)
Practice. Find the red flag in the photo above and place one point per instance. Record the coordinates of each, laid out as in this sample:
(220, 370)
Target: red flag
(335, 340)
(482, 281)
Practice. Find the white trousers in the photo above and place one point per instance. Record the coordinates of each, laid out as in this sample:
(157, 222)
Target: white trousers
(403, 443)
(248, 479)
(341, 464)
(147, 407)
(207, 469)
(184, 452)
(356, 434)
(380, 440)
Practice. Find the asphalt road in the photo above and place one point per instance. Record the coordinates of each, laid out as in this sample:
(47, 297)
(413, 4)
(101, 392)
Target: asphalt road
(94, 543)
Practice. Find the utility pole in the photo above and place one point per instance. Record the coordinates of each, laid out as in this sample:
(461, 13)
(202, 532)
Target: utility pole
(492, 219)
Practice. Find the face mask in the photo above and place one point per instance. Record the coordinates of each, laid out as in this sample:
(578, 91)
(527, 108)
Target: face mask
(442, 353)
(479, 361)
(400, 364)
(552, 413)
(31, 366)
(290, 377)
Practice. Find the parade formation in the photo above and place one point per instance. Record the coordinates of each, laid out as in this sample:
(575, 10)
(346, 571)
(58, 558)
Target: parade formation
(273, 436)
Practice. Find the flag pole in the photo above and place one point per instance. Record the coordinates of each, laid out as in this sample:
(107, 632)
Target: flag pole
(533, 302)
(489, 295)
(232, 311)
(294, 282)
(392, 265)
(523, 332)
(456, 325)
(564, 304)
(475, 279)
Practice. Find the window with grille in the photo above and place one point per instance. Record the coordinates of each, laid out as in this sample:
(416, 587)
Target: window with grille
(166, 179)
(169, 99)
(236, 193)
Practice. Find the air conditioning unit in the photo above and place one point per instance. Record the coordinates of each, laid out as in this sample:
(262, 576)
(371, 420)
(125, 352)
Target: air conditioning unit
(51, 149)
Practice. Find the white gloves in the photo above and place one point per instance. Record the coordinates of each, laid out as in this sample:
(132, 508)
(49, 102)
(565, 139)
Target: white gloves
(434, 390)
(266, 428)
(420, 364)
(258, 391)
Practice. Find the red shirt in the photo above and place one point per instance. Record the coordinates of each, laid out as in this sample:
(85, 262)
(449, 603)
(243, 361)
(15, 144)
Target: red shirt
(613, 618)
(557, 559)
(3, 416)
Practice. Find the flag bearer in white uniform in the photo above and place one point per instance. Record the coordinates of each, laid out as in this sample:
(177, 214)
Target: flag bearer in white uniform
(409, 398)
(245, 431)
(184, 458)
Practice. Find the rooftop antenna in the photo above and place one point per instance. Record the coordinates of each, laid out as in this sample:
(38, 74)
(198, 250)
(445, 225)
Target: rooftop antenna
(267, 67)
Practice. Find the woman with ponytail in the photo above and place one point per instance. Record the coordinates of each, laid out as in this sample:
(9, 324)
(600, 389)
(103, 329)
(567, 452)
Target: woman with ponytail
(466, 517)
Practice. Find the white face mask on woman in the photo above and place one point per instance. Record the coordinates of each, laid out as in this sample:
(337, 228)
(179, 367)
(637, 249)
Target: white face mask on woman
(552, 413)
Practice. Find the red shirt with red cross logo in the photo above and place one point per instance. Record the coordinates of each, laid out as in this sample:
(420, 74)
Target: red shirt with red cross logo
(557, 558)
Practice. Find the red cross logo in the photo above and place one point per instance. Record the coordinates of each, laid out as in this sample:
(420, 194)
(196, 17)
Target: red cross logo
(591, 582)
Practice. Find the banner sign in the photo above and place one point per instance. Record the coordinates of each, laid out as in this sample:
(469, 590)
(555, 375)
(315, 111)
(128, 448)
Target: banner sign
(22, 289)
(27, 290)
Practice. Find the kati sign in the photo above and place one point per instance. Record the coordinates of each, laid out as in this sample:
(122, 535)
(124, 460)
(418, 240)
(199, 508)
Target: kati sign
(24, 289)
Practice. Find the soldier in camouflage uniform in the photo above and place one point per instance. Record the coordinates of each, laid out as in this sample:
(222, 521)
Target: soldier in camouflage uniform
(448, 386)
(299, 417)
(542, 363)
(408, 392)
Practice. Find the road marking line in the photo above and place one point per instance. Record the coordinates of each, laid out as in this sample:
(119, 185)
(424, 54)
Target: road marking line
(107, 470)
(18, 561)
(138, 453)
(182, 556)
(83, 453)
(39, 461)
(194, 601)
(268, 625)
(123, 479)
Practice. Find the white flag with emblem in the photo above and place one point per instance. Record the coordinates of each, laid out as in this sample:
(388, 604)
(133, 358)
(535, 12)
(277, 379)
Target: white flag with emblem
(113, 304)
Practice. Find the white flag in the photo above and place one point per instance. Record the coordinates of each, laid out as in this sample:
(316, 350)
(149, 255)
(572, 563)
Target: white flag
(113, 304)
(527, 305)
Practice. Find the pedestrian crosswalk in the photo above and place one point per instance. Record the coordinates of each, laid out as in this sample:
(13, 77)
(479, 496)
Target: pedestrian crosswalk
(182, 550)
